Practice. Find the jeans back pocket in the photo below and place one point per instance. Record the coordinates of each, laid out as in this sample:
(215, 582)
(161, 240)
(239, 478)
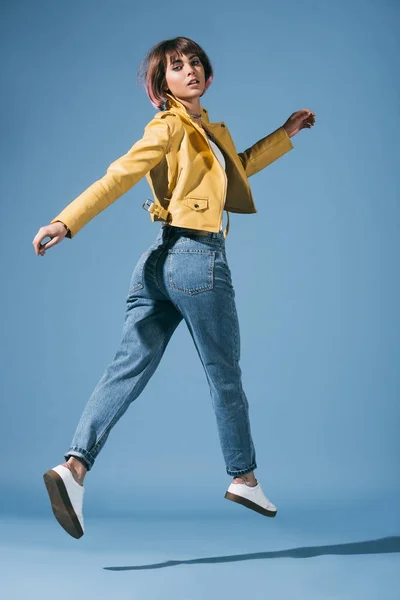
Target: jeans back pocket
(191, 270)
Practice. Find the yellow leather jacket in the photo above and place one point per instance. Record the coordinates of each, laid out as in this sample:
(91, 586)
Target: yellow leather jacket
(188, 183)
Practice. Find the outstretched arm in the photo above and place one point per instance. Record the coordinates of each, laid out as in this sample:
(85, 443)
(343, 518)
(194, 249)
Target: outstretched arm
(276, 144)
(121, 175)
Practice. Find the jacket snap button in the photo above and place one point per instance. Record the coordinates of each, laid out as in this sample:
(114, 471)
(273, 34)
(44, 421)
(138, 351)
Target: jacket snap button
(196, 206)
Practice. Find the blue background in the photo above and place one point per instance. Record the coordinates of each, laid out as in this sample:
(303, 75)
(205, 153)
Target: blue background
(315, 270)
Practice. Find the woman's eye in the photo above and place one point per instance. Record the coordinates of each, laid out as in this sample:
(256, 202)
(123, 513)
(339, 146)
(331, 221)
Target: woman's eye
(180, 66)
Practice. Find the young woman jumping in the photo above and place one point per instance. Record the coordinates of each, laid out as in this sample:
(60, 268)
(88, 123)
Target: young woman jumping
(195, 173)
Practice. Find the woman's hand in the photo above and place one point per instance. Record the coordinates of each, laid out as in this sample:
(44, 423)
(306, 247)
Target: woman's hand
(301, 119)
(56, 231)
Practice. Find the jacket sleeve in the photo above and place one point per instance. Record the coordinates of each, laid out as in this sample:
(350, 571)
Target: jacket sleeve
(121, 175)
(265, 151)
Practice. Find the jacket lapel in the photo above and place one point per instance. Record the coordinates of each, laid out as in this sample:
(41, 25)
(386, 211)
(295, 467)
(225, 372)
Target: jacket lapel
(216, 129)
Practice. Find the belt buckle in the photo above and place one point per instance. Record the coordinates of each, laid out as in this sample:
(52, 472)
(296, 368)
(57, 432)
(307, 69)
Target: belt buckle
(146, 205)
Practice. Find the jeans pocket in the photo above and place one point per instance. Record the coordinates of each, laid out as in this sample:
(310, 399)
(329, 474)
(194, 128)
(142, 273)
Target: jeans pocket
(191, 270)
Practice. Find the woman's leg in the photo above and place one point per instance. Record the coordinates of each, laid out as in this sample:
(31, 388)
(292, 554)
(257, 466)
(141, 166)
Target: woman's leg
(149, 324)
(150, 321)
(200, 286)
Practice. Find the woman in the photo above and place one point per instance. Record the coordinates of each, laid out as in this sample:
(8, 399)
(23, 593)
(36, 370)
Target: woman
(195, 173)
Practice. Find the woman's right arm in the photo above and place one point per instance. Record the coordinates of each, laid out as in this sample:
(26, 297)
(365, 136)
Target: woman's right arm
(121, 175)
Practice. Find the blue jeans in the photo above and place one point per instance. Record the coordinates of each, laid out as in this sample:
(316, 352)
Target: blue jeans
(182, 275)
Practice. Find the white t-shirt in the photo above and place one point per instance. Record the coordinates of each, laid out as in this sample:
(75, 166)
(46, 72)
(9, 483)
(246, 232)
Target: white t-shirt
(218, 154)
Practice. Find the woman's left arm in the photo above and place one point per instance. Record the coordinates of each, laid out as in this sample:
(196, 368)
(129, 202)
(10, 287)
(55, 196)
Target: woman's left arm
(276, 144)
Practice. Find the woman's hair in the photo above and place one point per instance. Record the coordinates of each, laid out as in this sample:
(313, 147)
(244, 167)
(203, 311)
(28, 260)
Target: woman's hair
(153, 67)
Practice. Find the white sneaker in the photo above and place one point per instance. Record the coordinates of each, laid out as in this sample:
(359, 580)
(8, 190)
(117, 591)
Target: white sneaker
(251, 497)
(66, 497)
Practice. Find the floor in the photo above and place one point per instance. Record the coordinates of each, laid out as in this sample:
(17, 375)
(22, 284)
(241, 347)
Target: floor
(315, 554)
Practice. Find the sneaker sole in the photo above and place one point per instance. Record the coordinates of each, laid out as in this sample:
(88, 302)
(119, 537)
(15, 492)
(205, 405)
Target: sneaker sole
(249, 504)
(61, 504)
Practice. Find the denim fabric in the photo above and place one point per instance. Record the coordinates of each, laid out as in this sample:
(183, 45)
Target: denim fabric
(182, 275)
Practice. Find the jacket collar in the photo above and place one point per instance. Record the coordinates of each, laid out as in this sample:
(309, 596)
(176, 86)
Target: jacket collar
(176, 106)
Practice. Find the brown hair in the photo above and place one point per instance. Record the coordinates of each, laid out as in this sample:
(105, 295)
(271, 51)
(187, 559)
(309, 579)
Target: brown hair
(152, 68)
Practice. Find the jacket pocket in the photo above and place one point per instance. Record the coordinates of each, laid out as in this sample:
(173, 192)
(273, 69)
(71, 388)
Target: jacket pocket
(191, 271)
(196, 203)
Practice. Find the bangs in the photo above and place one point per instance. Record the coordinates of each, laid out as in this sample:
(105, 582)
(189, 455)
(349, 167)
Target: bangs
(179, 48)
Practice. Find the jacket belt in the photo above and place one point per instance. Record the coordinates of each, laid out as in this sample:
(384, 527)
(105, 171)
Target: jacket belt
(157, 210)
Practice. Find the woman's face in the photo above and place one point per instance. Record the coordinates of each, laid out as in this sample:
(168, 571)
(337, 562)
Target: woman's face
(183, 69)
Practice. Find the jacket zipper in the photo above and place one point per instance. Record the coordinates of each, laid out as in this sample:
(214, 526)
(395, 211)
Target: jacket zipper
(179, 175)
(203, 132)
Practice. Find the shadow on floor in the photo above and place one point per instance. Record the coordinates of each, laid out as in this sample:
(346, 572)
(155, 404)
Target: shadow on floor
(381, 546)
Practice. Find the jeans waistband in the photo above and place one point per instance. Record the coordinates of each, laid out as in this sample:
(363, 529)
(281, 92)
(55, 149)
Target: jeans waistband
(188, 231)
